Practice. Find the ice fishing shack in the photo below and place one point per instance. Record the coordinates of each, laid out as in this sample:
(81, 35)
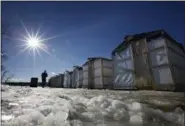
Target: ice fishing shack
(149, 60)
(77, 77)
(97, 73)
(67, 79)
(56, 81)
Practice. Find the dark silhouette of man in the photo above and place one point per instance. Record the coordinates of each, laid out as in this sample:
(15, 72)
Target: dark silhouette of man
(44, 75)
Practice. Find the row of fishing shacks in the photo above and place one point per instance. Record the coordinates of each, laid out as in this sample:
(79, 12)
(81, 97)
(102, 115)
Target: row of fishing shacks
(150, 60)
(56, 81)
(95, 73)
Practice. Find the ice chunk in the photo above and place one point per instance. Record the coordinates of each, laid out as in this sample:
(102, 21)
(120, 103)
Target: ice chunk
(5, 88)
(77, 123)
(135, 106)
(33, 118)
(110, 110)
(105, 104)
(101, 98)
(100, 101)
(117, 116)
(136, 119)
(13, 104)
(89, 115)
(58, 119)
(117, 104)
(105, 113)
(7, 117)
(45, 110)
(174, 118)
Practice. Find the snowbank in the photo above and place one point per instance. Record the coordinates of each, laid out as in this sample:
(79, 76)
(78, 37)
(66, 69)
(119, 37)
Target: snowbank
(80, 107)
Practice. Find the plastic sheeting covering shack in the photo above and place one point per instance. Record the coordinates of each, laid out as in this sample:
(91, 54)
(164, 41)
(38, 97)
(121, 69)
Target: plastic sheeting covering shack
(77, 77)
(97, 73)
(151, 60)
(68, 79)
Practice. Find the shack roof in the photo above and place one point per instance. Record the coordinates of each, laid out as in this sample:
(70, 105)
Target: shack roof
(68, 72)
(148, 35)
(90, 59)
(77, 67)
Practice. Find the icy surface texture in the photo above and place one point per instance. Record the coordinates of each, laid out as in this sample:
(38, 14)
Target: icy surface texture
(25, 106)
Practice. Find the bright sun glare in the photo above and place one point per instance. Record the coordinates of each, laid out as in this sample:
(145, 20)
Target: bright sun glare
(33, 42)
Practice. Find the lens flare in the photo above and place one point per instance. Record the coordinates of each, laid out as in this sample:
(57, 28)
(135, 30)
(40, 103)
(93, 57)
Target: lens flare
(34, 42)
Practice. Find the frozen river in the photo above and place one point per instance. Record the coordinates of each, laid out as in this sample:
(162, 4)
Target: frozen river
(25, 106)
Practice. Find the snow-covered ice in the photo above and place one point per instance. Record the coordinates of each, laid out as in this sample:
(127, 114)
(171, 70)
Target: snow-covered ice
(25, 106)
(6, 117)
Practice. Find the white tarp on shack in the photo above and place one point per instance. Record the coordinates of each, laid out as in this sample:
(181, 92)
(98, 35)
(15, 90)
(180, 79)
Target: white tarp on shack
(85, 82)
(159, 61)
(124, 69)
(77, 77)
(67, 79)
(154, 56)
(167, 62)
(97, 73)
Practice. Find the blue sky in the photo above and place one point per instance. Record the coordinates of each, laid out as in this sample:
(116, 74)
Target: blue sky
(84, 29)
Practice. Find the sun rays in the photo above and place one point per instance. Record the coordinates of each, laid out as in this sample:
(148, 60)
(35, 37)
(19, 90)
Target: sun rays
(33, 42)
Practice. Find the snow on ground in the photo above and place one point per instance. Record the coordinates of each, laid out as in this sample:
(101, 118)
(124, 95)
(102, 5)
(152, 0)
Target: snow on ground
(25, 106)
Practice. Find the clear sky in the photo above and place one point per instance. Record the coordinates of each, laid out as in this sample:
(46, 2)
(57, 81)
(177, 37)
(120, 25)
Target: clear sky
(84, 29)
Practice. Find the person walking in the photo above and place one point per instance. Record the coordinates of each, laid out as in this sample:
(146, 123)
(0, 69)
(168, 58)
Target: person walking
(44, 75)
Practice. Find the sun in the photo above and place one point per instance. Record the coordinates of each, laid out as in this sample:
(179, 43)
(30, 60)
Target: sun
(33, 42)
